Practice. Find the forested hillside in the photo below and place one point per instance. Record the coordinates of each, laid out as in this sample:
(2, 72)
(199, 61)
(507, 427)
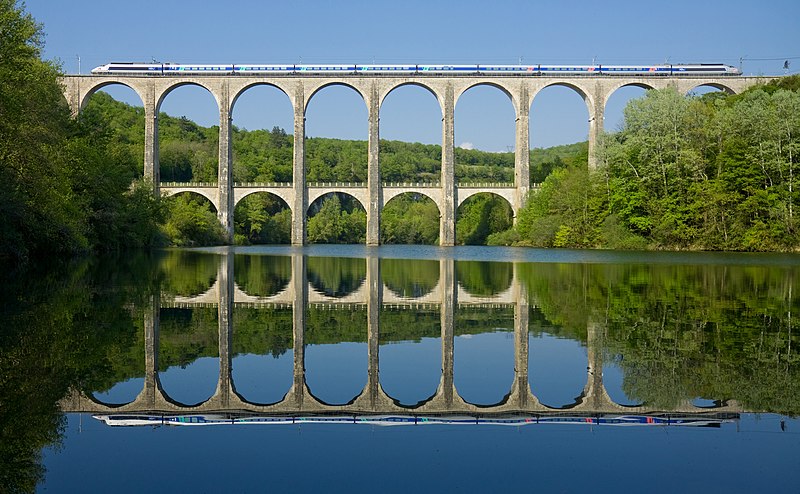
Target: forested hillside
(716, 172)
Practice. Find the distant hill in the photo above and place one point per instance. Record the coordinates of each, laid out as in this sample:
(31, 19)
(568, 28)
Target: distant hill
(188, 152)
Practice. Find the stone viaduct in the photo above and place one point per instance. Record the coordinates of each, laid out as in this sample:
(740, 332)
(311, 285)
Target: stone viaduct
(298, 195)
(372, 399)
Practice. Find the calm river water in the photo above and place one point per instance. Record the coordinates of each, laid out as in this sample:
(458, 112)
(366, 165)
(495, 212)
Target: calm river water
(396, 369)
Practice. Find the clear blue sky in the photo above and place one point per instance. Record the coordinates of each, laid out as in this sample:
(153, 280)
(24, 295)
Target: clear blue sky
(416, 31)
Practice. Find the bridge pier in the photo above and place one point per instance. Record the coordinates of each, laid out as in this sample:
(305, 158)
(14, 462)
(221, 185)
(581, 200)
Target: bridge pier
(300, 203)
(226, 293)
(522, 155)
(597, 100)
(448, 319)
(447, 225)
(300, 289)
(151, 169)
(225, 170)
(374, 199)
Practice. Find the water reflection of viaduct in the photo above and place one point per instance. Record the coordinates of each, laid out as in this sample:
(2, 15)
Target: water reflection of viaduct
(373, 194)
(372, 399)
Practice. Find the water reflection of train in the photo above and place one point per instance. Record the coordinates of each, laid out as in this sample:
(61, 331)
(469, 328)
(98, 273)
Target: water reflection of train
(134, 419)
(156, 69)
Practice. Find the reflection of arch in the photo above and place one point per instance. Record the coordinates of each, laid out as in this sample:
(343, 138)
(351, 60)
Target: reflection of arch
(167, 90)
(481, 279)
(101, 85)
(271, 275)
(404, 277)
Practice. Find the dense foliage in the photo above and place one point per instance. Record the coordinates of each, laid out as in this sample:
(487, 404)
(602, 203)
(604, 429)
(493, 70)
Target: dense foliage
(714, 172)
(65, 185)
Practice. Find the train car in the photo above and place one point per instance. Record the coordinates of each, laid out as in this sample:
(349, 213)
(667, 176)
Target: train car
(180, 69)
(325, 69)
(447, 69)
(128, 68)
(257, 69)
(386, 69)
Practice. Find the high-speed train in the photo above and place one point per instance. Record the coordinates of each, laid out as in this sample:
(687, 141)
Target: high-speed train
(173, 69)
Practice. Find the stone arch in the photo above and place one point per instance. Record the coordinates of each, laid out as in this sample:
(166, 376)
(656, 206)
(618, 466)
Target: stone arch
(250, 192)
(172, 192)
(391, 194)
(315, 195)
(173, 85)
(688, 88)
(271, 226)
(245, 88)
(582, 92)
(473, 226)
(463, 195)
(335, 83)
(86, 94)
(427, 221)
(613, 89)
(514, 101)
(413, 83)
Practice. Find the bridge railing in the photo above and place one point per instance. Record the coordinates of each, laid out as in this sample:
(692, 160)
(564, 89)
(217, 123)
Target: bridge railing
(187, 184)
(330, 185)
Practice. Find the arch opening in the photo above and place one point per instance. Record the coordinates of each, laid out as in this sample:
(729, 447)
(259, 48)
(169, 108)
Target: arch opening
(262, 218)
(336, 135)
(483, 354)
(117, 111)
(336, 277)
(410, 278)
(484, 279)
(485, 136)
(263, 363)
(482, 216)
(262, 276)
(411, 135)
(336, 218)
(559, 130)
(188, 350)
(410, 218)
(557, 362)
(261, 135)
(192, 221)
(188, 273)
(188, 145)
(336, 354)
(410, 354)
(616, 103)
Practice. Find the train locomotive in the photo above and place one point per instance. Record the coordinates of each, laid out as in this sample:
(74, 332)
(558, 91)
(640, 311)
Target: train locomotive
(173, 69)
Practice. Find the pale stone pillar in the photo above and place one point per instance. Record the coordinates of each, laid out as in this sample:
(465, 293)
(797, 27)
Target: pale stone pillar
(448, 316)
(596, 118)
(300, 289)
(447, 225)
(300, 204)
(374, 304)
(522, 157)
(521, 326)
(225, 322)
(152, 323)
(151, 168)
(594, 391)
(374, 189)
(225, 170)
